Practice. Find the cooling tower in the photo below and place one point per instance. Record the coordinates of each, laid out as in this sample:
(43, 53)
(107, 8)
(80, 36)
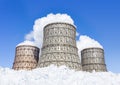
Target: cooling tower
(93, 59)
(26, 57)
(59, 46)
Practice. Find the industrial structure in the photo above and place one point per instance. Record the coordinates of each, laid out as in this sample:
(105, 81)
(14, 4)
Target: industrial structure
(93, 59)
(26, 57)
(59, 46)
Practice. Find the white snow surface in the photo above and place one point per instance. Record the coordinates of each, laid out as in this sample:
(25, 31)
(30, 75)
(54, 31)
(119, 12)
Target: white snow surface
(53, 75)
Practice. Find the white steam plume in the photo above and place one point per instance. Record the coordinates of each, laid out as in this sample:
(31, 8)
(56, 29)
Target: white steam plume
(86, 42)
(77, 34)
(27, 43)
(36, 35)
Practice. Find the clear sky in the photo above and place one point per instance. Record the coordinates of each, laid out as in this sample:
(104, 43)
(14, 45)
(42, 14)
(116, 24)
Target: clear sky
(99, 19)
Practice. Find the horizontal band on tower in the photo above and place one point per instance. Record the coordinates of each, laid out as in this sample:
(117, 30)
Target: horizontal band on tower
(51, 45)
(60, 23)
(94, 64)
(60, 61)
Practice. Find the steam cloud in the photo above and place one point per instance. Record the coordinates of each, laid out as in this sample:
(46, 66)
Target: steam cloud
(27, 43)
(37, 34)
(35, 37)
(86, 42)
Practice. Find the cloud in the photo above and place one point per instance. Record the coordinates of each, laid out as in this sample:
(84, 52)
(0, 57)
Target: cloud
(86, 42)
(29, 36)
(27, 43)
(36, 35)
(77, 34)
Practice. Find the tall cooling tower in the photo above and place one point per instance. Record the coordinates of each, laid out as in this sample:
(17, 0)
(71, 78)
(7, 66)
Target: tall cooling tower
(93, 59)
(59, 46)
(26, 57)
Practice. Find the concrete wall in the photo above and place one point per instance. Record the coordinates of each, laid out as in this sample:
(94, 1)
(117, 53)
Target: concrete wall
(26, 57)
(93, 59)
(59, 46)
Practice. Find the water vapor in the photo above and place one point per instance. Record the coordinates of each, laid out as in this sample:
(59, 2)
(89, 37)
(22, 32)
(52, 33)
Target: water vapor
(87, 42)
(36, 35)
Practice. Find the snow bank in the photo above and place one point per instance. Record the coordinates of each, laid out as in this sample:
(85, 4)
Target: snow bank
(57, 76)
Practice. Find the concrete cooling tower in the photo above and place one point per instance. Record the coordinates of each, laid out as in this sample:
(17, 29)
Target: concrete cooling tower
(93, 59)
(59, 46)
(26, 57)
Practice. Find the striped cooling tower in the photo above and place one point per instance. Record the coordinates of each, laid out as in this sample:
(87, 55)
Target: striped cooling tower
(59, 46)
(93, 59)
(26, 57)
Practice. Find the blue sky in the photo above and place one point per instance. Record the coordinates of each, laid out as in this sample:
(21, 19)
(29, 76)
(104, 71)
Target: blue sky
(99, 19)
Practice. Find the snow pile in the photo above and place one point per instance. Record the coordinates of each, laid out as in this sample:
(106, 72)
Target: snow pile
(57, 76)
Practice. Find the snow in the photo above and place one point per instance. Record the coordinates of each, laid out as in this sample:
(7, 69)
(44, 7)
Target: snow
(53, 75)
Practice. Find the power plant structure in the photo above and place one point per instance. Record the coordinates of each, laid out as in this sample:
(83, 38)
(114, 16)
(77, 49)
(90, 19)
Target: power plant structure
(59, 48)
(26, 57)
(93, 59)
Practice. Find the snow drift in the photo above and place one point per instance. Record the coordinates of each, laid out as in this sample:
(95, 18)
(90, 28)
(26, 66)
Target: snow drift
(53, 75)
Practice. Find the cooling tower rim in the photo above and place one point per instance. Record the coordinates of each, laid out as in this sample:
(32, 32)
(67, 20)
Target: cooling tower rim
(27, 42)
(27, 46)
(60, 23)
(92, 48)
